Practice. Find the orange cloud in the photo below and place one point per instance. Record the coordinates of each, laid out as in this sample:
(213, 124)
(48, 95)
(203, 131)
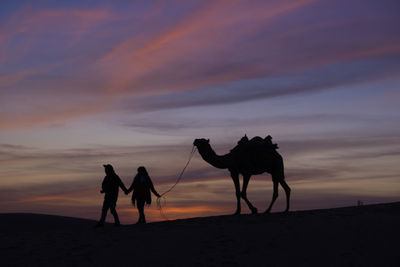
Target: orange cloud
(173, 213)
(193, 210)
(67, 196)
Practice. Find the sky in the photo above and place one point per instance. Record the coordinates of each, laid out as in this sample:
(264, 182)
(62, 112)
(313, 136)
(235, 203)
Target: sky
(133, 83)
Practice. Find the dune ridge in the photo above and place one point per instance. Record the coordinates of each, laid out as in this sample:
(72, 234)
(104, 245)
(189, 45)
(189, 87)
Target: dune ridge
(351, 236)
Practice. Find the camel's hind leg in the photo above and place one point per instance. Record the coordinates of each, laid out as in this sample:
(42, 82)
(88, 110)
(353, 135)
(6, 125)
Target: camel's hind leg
(287, 191)
(274, 195)
(246, 179)
(235, 178)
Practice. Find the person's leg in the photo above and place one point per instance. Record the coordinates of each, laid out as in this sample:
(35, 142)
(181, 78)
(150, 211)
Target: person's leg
(113, 211)
(106, 206)
(140, 206)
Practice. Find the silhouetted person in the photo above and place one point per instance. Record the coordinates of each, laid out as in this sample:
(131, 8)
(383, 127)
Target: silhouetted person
(141, 186)
(110, 188)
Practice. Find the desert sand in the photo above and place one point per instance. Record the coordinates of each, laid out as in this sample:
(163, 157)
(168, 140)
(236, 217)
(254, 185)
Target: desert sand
(352, 236)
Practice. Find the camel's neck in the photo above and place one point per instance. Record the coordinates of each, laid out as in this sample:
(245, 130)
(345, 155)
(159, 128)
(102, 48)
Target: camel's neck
(209, 155)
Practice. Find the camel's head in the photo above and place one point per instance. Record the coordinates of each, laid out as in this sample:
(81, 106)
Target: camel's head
(201, 142)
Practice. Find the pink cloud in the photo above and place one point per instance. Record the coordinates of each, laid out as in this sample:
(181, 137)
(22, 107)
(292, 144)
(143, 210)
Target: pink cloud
(59, 113)
(218, 42)
(30, 24)
(20, 37)
(12, 78)
(194, 36)
(29, 19)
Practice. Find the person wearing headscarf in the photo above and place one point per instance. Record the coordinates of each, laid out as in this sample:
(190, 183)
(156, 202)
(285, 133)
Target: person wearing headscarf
(141, 187)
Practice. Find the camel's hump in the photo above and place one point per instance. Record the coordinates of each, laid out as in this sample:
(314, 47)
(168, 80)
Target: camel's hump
(256, 142)
(259, 141)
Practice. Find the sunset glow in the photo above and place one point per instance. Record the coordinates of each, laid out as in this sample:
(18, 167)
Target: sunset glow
(125, 83)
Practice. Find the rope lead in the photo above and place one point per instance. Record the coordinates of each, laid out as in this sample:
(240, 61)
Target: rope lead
(159, 206)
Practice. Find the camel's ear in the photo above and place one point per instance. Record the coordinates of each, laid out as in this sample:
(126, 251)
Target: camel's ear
(245, 135)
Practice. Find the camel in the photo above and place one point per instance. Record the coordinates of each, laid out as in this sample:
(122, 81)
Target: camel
(249, 157)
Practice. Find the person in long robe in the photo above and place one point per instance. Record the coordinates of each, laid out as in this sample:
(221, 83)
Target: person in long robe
(142, 186)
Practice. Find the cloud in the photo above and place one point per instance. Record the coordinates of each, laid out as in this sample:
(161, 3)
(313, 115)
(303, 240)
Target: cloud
(53, 195)
(59, 114)
(36, 48)
(339, 143)
(84, 165)
(205, 60)
(208, 53)
(31, 23)
(64, 179)
(198, 33)
(324, 78)
(179, 124)
(60, 64)
(10, 79)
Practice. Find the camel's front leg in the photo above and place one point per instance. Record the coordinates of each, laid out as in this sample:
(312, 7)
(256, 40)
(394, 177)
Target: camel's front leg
(235, 178)
(246, 179)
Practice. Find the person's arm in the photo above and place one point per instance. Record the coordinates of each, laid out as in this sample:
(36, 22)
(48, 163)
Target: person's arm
(132, 185)
(153, 189)
(130, 188)
(103, 186)
(121, 184)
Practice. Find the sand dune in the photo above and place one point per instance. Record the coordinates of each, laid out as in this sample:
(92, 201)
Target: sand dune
(352, 236)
